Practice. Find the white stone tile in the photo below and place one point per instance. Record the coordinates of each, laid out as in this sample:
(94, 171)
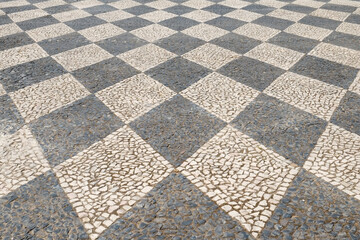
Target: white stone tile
(334, 15)
(287, 15)
(308, 31)
(355, 86)
(335, 158)
(220, 95)
(349, 28)
(198, 4)
(81, 57)
(278, 56)
(27, 15)
(146, 57)
(134, 96)
(9, 29)
(337, 54)
(87, 4)
(313, 96)
(153, 32)
(19, 3)
(114, 15)
(205, 32)
(101, 32)
(272, 3)
(42, 98)
(235, 3)
(309, 3)
(161, 4)
(50, 3)
(21, 160)
(256, 31)
(211, 56)
(106, 179)
(200, 15)
(124, 4)
(19, 55)
(235, 170)
(51, 31)
(157, 16)
(71, 15)
(243, 15)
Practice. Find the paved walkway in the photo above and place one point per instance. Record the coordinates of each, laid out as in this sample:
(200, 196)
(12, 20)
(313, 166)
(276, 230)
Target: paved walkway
(176, 119)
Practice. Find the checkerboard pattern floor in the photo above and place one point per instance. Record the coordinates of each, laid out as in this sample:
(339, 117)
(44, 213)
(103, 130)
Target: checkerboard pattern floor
(179, 119)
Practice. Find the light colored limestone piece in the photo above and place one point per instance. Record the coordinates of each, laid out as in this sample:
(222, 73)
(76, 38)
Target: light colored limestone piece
(21, 160)
(157, 16)
(337, 54)
(19, 55)
(313, 96)
(336, 158)
(71, 15)
(334, 15)
(27, 15)
(146, 57)
(19, 3)
(9, 29)
(235, 3)
(211, 56)
(87, 3)
(200, 15)
(81, 57)
(278, 56)
(105, 180)
(101, 32)
(349, 28)
(308, 31)
(50, 3)
(205, 32)
(256, 31)
(243, 15)
(42, 98)
(153, 32)
(220, 95)
(161, 4)
(134, 96)
(114, 15)
(198, 4)
(243, 177)
(51, 31)
(272, 3)
(124, 4)
(287, 15)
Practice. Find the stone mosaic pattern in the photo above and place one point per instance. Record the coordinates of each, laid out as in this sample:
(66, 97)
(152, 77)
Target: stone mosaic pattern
(179, 119)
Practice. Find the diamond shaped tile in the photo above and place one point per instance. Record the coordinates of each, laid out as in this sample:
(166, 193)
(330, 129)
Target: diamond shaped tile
(198, 4)
(60, 8)
(81, 57)
(71, 15)
(320, 22)
(69, 130)
(308, 94)
(33, 101)
(243, 15)
(27, 15)
(161, 4)
(330, 14)
(100, 9)
(146, 57)
(140, 9)
(114, 16)
(251, 72)
(349, 28)
(37, 22)
(10, 118)
(15, 40)
(219, 9)
(9, 29)
(158, 16)
(211, 56)
(236, 43)
(205, 32)
(51, 31)
(132, 23)
(200, 15)
(178, 73)
(346, 115)
(308, 31)
(220, 95)
(258, 8)
(256, 31)
(226, 23)
(242, 176)
(176, 128)
(294, 42)
(273, 22)
(343, 40)
(111, 176)
(338, 7)
(101, 32)
(153, 32)
(287, 15)
(298, 8)
(281, 127)
(122, 43)
(179, 23)
(134, 96)
(83, 23)
(179, 9)
(334, 159)
(15, 168)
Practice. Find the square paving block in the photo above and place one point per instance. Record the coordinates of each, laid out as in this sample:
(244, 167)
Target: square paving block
(236, 43)
(121, 43)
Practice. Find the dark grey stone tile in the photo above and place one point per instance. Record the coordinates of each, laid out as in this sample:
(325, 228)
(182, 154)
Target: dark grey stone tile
(294, 42)
(320, 22)
(298, 8)
(15, 40)
(121, 43)
(63, 43)
(347, 114)
(10, 118)
(37, 22)
(83, 23)
(353, 18)
(100, 9)
(237, 43)
(281, 127)
(177, 128)
(251, 72)
(39, 209)
(226, 23)
(133, 23)
(258, 8)
(178, 1)
(179, 23)
(4, 19)
(273, 22)
(314, 209)
(145, 1)
(59, 9)
(105, 1)
(326, 71)
(73, 128)
(178, 73)
(9, 10)
(140, 9)
(26, 74)
(104, 74)
(338, 7)
(344, 40)
(175, 207)
(179, 43)
(219, 9)
(179, 9)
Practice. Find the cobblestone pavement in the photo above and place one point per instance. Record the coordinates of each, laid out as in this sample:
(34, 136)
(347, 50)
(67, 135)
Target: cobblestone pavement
(180, 119)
